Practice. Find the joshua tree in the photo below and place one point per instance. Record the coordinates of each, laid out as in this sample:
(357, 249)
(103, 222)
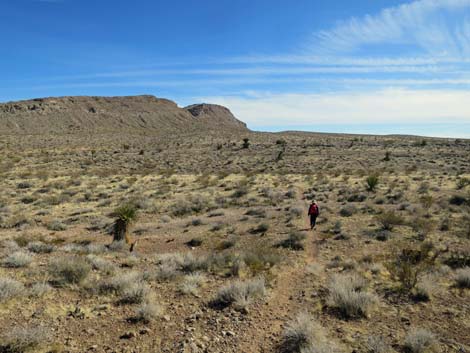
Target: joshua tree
(125, 215)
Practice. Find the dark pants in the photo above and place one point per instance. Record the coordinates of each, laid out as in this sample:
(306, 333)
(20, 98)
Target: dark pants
(313, 221)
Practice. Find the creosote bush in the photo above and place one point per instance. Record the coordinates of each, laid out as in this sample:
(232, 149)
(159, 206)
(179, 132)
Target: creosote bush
(389, 219)
(410, 263)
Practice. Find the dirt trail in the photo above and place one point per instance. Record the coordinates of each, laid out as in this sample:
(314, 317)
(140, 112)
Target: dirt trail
(289, 284)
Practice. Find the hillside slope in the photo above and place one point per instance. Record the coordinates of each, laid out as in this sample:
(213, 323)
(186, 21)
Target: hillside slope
(146, 114)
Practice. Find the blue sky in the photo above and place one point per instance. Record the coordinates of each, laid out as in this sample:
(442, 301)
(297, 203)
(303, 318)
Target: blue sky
(371, 66)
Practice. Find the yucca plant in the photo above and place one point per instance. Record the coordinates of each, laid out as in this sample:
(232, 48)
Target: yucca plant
(372, 182)
(125, 215)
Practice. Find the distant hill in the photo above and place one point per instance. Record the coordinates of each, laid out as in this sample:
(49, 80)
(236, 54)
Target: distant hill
(134, 114)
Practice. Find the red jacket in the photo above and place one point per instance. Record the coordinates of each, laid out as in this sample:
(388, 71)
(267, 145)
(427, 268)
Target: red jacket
(313, 210)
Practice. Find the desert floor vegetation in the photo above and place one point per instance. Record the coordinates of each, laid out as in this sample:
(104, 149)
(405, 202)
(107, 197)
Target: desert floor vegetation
(222, 258)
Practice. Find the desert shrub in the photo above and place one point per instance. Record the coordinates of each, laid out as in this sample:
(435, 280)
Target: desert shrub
(20, 339)
(9, 289)
(240, 294)
(193, 263)
(72, 270)
(356, 197)
(191, 283)
(191, 205)
(194, 242)
(410, 263)
(296, 212)
(56, 225)
(420, 341)
(119, 282)
(256, 212)
(372, 182)
(389, 219)
(424, 289)
(462, 183)
(196, 222)
(301, 333)
(246, 143)
(462, 278)
(148, 311)
(39, 289)
(458, 259)
(348, 295)
(227, 244)
(100, 264)
(291, 194)
(24, 185)
(347, 211)
(168, 266)
(294, 241)
(260, 228)
(39, 247)
(260, 259)
(18, 259)
(378, 345)
(135, 293)
(240, 191)
(458, 200)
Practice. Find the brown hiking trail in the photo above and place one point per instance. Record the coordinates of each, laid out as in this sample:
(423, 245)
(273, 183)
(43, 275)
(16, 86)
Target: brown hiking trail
(266, 327)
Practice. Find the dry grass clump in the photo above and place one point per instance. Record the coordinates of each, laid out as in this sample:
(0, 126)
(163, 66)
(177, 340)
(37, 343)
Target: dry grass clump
(148, 311)
(240, 294)
(69, 270)
(18, 259)
(377, 344)
(20, 339)
(135, 293)
(462, 277)
(39, 247)
(305, 335)
(191, 283)
(425, 289)
(9, 289)
(118, 283)
(420, 341)
(39, 289)
(101, 264)
(56, 225)
(348, 295)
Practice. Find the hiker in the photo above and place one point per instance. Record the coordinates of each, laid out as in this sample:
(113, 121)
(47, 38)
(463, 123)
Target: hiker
(313, 212)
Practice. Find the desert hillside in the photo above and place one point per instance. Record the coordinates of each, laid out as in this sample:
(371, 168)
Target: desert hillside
(144, 114)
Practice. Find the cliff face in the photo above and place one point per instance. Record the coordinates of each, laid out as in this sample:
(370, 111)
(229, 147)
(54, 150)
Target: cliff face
(149, 114)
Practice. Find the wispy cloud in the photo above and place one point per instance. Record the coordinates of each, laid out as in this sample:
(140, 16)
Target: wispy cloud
(437, 27)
